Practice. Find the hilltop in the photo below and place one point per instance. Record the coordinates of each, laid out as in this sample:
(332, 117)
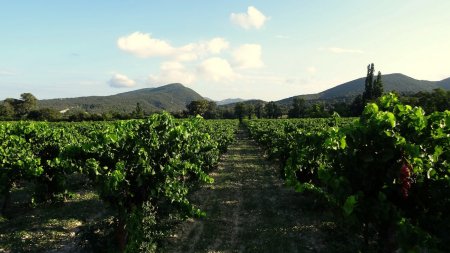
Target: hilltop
(171, 97)
(392, 82)
(174, 97)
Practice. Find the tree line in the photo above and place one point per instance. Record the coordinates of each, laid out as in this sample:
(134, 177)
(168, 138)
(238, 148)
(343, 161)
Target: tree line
(437, 100)
(26, 108)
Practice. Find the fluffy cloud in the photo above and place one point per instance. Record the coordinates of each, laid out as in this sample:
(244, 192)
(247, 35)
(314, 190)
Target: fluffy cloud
(172, 72)
(121, 81)
(144, 46)
(190, 62)
(216, 69)
(217, 45)
(338, 50)
(248, 56)
(252, 19)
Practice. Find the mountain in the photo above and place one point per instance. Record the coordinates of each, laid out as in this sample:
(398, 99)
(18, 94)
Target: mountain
(230, 101)
(444, 84)
(392, 82)
(174, 97)
(171, 97)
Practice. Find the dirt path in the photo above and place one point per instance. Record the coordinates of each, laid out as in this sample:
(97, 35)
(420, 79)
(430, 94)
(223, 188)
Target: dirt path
(250, 210)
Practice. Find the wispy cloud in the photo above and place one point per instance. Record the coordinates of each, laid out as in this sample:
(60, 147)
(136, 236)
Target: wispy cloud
(252, 19)
(339, 50)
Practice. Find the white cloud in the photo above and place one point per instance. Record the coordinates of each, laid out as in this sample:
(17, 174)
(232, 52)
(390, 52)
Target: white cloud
(196, 61)
(185, 53)
(338, 50)
(172, 72)
(216, 69)
(252, 19)
(121, 81)
(202, 49)
(248, 56)
(144, 46)
(217, 45)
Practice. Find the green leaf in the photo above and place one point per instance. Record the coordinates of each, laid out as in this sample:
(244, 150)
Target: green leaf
(350, 204)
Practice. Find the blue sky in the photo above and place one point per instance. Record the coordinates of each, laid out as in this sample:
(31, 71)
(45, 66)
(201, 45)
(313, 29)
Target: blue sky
(222, 49)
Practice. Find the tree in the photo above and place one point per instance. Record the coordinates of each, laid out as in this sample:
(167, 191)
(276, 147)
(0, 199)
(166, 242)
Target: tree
(273, 111)
(240, 111)
(259, 110)
(211, 112)
(29, 103)
(298, 109)
(378, 86)
(79, 115)
(438, 100)
(11, 106)
(6, 111)
(250, 110)
(317, 110)
(227, 113)
(21, 107)
(44, 114)
(373, 88)
(197, 107)
(138, 112)
(357, 106)
(368, 86)
(341, 108)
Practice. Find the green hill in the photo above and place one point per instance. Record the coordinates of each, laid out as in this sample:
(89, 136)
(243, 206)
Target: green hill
(445, 84)
(392, 82)
(171, 97)
(174, 97)
(230, 101)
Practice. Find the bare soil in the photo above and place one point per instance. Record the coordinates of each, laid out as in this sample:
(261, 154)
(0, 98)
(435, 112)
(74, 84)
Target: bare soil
(249, 209)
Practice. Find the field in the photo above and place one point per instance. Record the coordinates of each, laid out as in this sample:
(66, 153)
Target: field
(378, 183)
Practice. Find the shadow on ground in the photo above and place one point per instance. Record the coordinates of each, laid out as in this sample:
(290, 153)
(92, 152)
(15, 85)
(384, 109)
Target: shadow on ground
(249, 209)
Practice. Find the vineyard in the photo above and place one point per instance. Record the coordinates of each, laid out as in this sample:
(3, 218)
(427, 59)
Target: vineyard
(135, 166)
(383, 176)
(387, 173)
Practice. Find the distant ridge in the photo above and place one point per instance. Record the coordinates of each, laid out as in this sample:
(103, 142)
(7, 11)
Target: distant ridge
(171, 97)
(174, 97)
(445, 84)
(392, 82)
(230, 101)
